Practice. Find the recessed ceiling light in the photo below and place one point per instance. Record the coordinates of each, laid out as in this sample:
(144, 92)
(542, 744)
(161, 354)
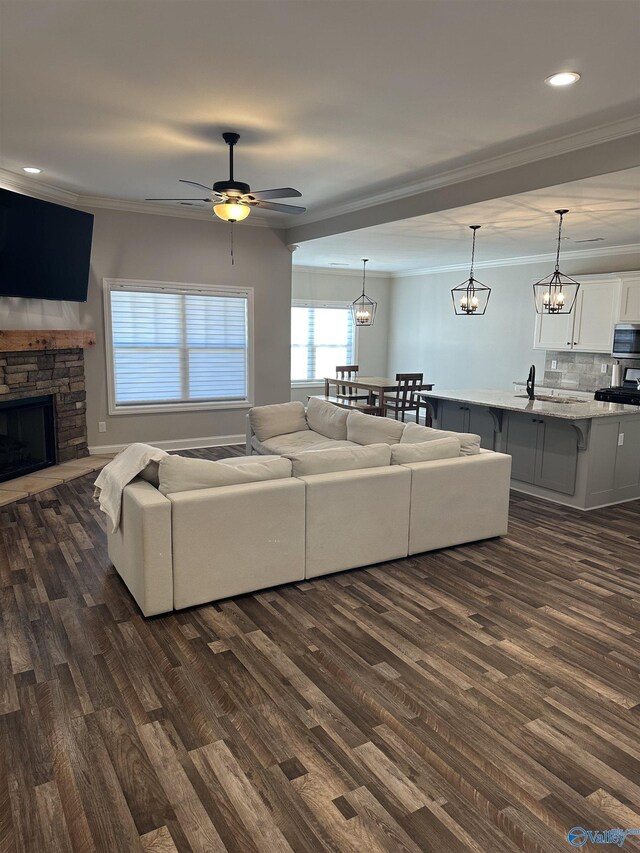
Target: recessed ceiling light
(32, 170)
(564, 78)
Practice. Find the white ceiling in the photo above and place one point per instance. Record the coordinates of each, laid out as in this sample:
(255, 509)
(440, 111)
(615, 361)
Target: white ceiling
(513, 227)
(342, 100)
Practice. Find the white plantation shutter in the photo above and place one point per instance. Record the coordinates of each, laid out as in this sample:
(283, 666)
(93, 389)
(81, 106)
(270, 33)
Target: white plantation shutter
(176, 346)
(322, 336)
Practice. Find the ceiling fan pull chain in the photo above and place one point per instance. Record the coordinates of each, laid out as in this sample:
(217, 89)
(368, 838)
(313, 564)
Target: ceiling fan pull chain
(232, 258)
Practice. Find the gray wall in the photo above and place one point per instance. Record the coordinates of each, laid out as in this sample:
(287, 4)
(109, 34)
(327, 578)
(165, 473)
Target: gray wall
(373, 341)
(475, 352)
(162, 248)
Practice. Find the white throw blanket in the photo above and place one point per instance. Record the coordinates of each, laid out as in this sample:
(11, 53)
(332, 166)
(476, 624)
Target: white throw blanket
(118, 473)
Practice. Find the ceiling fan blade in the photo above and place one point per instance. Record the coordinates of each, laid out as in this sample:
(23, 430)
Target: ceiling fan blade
(178, 199)
(281, 208)
(200, 186)
(281, 192)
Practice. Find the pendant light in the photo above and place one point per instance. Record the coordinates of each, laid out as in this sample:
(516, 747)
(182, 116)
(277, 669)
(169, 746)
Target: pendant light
(471, 297)
(556, 293)
(363, 309)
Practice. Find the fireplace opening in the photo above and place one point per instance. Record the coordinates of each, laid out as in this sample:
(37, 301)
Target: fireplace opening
(27, 436)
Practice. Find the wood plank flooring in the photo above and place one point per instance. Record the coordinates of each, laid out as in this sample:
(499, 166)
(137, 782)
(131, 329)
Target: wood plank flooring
(481, 698)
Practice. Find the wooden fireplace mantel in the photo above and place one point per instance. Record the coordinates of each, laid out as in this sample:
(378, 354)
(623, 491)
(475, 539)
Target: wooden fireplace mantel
(23, 340)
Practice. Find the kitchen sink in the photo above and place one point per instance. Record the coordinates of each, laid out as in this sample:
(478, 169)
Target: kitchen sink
(548, 398)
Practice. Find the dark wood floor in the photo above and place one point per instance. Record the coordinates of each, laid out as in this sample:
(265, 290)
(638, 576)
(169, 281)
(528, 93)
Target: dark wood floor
(482, 698)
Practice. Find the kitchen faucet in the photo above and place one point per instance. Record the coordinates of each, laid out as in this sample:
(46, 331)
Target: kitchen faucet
(531, 383)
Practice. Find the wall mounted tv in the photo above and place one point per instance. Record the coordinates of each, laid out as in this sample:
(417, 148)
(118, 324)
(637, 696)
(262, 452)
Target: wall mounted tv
(44, 249)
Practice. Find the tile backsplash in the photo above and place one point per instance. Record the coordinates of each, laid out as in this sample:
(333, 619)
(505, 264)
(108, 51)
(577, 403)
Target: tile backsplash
(580, 370)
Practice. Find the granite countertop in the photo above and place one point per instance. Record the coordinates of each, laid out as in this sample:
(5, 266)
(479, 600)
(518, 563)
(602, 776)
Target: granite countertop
(512, 402)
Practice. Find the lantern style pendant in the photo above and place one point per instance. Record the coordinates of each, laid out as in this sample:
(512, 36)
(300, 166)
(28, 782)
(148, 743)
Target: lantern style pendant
(471, 297)
(556, 293)
(363, 308)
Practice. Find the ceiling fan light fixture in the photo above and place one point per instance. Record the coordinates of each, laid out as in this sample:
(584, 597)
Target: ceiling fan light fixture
(470, 299)
(231, 211)
(556, 293)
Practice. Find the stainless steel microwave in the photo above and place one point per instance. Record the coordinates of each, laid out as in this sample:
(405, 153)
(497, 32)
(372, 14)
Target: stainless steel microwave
(626, 340)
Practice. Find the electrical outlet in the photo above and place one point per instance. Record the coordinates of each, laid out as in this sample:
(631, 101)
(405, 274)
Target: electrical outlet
(620, 439)
(554, 364)
(604, 368)
(102, 426)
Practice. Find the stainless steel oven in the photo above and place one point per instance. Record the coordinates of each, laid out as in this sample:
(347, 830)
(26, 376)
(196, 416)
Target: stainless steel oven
(626, 340)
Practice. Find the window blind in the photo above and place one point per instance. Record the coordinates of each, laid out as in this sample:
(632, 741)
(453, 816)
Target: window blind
(170, 347)
(321, 338)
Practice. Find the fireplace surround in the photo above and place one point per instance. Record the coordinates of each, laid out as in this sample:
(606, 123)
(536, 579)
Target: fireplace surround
(51, 367)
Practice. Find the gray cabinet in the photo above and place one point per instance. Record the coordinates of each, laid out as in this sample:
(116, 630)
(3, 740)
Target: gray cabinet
(627, 466)
(461, 417)
(544, 451)
(452, 415)
(482, 423)
(521, 444)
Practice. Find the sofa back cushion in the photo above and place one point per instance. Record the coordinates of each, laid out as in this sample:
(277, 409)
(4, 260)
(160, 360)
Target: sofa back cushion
(368, 429)
(414, 433)
(340, 459)
(327, 419)
(425, 451)
(179, 474)
(278, 419)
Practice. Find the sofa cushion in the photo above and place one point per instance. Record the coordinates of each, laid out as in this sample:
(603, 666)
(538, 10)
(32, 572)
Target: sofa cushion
(327, 419)
(368, 429)
(296, 442)
(278, 419)
(414, 433)
(150, 473)
(180, 474)
(424, 451)
(340, 459)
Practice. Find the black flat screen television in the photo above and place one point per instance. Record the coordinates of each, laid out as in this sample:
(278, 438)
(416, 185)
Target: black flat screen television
(45, 249)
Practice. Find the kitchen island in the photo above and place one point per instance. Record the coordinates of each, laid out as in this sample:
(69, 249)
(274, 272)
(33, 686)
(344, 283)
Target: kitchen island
(584, 454)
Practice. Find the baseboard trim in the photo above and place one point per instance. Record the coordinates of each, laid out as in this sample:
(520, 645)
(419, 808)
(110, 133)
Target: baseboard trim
(522, 490)
(175, 444)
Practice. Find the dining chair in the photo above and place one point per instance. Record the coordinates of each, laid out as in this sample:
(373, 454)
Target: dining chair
(347, 392)
(403, 400)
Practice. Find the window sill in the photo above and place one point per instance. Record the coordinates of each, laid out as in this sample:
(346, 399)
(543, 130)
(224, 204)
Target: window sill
(317, 383)
(160, 408)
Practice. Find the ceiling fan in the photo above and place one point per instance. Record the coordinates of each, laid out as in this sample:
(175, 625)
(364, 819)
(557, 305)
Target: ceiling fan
(233, 199)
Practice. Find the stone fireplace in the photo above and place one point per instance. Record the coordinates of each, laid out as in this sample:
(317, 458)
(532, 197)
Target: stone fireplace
(35, 366)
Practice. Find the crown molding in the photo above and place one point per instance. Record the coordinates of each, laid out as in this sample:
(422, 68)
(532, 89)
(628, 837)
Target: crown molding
(476, 169)
(354, 273)
(37, 189)
(480, 168)
(523, 260)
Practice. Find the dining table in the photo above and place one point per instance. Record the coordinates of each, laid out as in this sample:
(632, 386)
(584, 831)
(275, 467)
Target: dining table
(377, 386)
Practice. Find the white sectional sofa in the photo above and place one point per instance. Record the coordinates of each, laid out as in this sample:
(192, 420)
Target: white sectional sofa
(322, 491)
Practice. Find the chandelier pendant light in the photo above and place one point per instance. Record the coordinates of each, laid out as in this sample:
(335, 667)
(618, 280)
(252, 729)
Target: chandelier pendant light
(363, 308)
(472, 296)
(556, 293)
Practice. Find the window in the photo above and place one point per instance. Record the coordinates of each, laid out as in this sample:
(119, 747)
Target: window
(322, 336)
(176, 346)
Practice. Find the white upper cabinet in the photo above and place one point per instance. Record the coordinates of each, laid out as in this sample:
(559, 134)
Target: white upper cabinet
(596, 312)
(589, 327)
(554, 331)
(630, 298)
